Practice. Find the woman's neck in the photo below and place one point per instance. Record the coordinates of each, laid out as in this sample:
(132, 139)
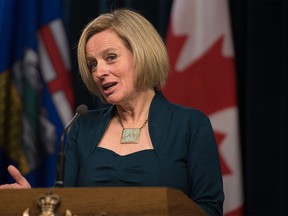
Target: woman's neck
(136, 112)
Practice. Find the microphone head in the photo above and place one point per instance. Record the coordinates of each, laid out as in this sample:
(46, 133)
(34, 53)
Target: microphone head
(81, 109)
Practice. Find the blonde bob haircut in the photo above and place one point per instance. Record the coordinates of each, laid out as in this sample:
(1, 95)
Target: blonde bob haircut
(150, 58)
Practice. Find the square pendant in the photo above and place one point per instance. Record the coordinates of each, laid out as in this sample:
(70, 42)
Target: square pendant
(130, 135)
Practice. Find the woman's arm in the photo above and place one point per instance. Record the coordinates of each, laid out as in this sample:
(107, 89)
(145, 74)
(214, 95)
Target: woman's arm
(205, 177)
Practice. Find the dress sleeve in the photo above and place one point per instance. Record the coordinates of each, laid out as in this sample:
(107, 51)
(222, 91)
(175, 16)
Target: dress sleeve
(205, 177)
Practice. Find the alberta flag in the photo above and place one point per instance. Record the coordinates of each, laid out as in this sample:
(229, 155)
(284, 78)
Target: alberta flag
(36, 98)
(203, 76)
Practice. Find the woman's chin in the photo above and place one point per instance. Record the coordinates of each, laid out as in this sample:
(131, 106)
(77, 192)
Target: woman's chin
(112, 100)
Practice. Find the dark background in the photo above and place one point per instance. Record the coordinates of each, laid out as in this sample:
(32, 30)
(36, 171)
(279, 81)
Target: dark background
(261, 51)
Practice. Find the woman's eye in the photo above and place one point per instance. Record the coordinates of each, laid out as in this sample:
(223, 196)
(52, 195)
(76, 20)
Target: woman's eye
(92, 66)
(111, 58)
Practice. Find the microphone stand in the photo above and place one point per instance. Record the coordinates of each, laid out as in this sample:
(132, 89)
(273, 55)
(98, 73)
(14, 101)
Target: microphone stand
(81, 110)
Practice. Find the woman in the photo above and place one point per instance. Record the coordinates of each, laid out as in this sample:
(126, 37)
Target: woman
(141, 139)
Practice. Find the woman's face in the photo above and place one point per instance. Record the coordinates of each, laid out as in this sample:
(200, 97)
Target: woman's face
(111, 65)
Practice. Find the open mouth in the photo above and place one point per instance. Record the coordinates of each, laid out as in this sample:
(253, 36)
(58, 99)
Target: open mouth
(108, 86)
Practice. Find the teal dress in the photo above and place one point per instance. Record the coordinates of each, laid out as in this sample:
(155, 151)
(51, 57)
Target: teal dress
(184, 157)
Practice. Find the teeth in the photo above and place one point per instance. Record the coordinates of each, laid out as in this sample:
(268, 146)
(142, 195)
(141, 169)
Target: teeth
(108, 86)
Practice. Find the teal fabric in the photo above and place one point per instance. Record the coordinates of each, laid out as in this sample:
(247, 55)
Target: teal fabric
(184, 157)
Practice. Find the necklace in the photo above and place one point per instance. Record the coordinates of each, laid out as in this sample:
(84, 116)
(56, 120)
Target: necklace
(131, 135)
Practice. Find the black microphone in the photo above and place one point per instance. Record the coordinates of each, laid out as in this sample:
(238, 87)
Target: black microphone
(80, 110)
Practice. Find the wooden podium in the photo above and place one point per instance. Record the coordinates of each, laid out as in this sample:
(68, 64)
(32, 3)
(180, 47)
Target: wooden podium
(100, 201)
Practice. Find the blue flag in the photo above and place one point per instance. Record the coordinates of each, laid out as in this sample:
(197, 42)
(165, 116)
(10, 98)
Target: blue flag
(36, 97)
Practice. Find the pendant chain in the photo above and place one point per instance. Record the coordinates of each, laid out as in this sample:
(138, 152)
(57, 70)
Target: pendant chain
(139, 128)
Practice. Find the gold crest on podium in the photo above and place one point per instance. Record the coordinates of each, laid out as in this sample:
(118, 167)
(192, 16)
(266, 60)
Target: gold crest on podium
(48, 204)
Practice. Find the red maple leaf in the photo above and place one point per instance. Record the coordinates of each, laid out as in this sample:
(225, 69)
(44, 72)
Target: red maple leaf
(207, 84)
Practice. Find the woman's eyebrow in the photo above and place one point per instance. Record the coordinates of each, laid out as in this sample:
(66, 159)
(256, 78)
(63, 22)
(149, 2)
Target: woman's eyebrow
(103, 52)
(89, 58)
(108, 50)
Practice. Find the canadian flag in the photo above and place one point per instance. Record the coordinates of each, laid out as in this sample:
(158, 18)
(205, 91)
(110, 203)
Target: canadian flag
(203, 76)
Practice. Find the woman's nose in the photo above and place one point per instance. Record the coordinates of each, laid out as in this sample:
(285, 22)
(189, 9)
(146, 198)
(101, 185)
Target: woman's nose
(101, 71)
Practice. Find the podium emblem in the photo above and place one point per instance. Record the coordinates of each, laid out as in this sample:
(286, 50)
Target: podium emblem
(48, 204)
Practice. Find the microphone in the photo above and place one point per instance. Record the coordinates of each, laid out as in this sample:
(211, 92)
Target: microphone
(80, 110)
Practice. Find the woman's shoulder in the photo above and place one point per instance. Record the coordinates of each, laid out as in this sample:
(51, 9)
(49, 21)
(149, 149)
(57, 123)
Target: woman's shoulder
(100, 111)
(97, 115)
(188, 113)
(169, 108)
(186, 109)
